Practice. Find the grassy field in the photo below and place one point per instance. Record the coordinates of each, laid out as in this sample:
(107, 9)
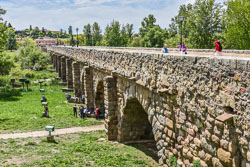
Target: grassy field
(22, 111)
(80, 149)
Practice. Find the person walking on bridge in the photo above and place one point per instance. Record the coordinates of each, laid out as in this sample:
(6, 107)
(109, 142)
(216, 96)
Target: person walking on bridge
(218, 49)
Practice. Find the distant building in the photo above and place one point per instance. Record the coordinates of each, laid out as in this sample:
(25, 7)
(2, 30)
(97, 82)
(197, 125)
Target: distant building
(46, 42)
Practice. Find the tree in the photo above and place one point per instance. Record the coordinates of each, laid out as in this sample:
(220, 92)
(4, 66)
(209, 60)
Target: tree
(96, 34)
(35, 33)
(30, 27)
(155, 37)
(11, 42)
(3, 34)
(202, 25)
(50, 34)
(238, 24)
(2, 12)
(112, 34)
(87, 35)
(71, 42)
(147, 23)
(9, 25)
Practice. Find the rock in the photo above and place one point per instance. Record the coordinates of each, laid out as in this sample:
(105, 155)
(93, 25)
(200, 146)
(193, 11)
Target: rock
(224, 156)
(202, 154)
(216, 162)
(169, 123)
(161, 119)
(215, 139)
(224, 144)
(236, 161)
(208, 158)
(225, 118)
(248, 156)
(191, 132)
(197, 142)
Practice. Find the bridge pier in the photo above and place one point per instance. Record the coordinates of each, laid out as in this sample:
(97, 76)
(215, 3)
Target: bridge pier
(63, 69)
(69, 74)
(76, 79)
(88, 85)
(110, 101)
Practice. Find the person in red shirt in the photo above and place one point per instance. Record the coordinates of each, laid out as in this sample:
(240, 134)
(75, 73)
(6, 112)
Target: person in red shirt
(218, 49)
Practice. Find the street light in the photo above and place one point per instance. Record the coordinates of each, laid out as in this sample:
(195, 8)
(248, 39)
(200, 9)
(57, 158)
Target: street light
(181, 18)
(77, 42)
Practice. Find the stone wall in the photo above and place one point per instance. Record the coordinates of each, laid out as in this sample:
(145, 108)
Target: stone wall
(198, 106)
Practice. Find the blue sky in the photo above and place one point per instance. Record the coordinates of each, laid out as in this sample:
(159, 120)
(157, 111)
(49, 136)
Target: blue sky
(57, 14)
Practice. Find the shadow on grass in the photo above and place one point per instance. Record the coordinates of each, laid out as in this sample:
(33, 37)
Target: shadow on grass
(9, 94)
(148, 148)
(5, 119)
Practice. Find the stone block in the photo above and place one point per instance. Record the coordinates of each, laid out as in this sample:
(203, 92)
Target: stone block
(225, 118)
(224, 156)
(169, 123)
(224, 144)
(216, 162)
(215, 139)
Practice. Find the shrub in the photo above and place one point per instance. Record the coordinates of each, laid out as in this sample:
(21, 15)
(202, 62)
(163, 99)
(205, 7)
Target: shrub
(6, 64)
(173, 161)
(29, 74)
(4, 80)
(196, 163)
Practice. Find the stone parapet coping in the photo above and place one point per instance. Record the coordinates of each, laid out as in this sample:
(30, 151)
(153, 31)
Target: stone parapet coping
(159, 49)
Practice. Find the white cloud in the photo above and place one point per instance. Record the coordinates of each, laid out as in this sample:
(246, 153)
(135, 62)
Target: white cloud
(62, 13)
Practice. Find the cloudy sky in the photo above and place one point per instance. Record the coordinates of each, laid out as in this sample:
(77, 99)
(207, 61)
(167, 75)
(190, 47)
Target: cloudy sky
(57, 14)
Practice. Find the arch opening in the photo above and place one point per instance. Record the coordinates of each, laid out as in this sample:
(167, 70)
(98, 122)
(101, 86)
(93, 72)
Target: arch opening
(99, 98)
(134, 123)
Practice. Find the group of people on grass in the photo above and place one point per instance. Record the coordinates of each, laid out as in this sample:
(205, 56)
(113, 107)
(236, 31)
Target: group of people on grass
(83, 112)
(183, 48)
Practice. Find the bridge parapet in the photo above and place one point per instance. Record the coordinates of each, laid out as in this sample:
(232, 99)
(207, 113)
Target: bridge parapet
(198, 106)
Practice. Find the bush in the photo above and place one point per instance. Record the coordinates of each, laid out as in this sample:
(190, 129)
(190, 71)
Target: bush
(173, 161)
(4, 80)
(29, 74)
(196, 163)
(6, 64)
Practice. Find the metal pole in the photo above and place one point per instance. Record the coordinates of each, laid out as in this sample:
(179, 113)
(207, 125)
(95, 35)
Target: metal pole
(181, 32)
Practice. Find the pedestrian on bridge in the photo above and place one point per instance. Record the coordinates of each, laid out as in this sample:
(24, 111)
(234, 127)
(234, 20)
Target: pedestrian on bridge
(164, 49)
(182, 48)
(218, 49)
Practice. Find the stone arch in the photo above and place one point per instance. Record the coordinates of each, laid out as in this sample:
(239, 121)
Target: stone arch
(134, 123)
(99, 96)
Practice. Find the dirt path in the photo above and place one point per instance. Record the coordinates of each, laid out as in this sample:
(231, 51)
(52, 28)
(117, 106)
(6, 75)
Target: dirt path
(56, 132)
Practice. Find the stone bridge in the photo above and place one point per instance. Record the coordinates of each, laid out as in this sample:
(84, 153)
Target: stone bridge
(194, 107)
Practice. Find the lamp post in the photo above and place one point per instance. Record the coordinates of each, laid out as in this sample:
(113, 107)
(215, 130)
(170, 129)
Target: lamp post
(181, 18)
(77, 42)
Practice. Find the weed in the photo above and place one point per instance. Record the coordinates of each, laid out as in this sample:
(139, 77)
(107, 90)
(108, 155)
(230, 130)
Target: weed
(173, 161)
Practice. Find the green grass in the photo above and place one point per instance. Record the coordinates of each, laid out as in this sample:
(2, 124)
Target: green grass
(81, 149)
(22, 111)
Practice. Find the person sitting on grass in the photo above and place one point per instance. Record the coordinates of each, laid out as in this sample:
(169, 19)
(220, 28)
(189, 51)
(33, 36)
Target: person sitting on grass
(68, 96)
(46, 112)
(43, 99)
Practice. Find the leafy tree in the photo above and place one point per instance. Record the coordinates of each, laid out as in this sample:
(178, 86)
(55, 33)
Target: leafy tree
(112, 34)
(152, 35)
(202, 25)
(35, 33)
(30, 27)
(50, 34)
(11, 42)
(2, 12)
(3, 34)
(238, 24)
(9, 25)
(6, 64)
(155, 37)
(96, 34)
(87, 35)
(72, 42)
(147, 23)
